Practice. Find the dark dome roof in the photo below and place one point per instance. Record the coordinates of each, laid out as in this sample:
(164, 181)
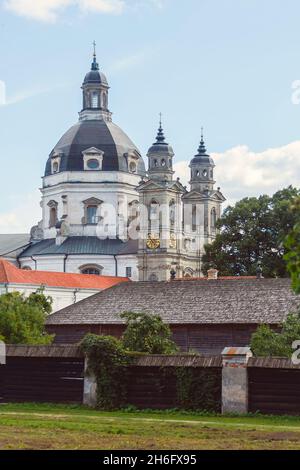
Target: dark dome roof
(204, 159)
(161, 148)
(202, 156)
(105, 136)
(94, 76)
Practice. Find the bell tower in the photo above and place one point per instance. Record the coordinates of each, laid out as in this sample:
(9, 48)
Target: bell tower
(202, 169)
(160, 158)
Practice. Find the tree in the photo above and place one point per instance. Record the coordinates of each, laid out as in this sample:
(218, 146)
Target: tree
(251, 231)
(148, 334)
(22, 319)
(267, 342)
(292, 248)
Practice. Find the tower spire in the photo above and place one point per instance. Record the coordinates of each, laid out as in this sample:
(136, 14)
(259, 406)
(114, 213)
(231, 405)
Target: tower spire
(160, 138)
(95, 65)
(202, 148)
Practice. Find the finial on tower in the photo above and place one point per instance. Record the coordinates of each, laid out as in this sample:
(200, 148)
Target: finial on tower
(202, 148)
(95, 65)
(160, 135)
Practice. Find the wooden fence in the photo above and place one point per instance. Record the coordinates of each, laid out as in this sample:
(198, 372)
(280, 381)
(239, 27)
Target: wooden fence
(56, 374)
(274, 386)
(42, 374)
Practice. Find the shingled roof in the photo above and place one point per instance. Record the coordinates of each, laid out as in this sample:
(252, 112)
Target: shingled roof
(241, 301)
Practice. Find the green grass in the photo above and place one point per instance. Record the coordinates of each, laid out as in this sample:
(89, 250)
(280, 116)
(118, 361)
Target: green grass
(45, 426)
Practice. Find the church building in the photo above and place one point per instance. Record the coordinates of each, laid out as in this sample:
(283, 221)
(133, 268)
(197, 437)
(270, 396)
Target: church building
(104, 213)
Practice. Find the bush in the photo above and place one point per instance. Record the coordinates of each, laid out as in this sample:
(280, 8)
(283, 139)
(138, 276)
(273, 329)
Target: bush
(148, 334)
(22, 319)
(267, 342)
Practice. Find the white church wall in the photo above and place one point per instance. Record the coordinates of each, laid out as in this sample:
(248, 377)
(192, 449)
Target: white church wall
(62, 297)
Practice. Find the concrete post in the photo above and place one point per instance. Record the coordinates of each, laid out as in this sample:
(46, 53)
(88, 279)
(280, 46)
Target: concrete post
(235, 380)
(89, 388)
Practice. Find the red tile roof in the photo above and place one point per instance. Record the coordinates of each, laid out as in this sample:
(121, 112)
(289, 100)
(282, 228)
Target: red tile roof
(10, 274)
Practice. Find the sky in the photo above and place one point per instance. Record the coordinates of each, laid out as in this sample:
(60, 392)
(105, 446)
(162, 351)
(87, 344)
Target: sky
(231, 66)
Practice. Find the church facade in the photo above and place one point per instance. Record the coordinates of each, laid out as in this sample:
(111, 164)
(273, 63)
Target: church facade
(103, 213)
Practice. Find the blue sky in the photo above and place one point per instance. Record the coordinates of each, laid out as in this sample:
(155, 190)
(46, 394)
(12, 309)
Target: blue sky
(228, 65)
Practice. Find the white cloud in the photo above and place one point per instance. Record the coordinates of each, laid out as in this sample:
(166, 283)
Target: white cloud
(22, 94)
(241, 172)
(26, 214)
(102, 6)
(49, 10)
(42, 10)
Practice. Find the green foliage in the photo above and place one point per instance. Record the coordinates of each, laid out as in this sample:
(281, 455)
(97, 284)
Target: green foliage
(267, 342)
(107, 361)
(254, 229)
(292, 247)
(22, 319)
(198, 389)
(148, 334)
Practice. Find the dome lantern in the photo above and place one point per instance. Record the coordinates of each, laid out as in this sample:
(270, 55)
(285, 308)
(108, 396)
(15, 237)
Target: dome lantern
(202, 169)
(160, 156)
(95, 93)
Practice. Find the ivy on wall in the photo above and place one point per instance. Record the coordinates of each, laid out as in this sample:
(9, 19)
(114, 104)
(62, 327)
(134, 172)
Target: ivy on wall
(110, 363)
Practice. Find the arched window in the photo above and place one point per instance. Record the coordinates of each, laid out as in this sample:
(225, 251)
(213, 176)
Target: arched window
(132, 167)
(172, 213)
(55, 167)
(154, 218)
(163, 162)
(91, 269)
(52, 213)
(194, 218)
(213, 218)
(95, 99)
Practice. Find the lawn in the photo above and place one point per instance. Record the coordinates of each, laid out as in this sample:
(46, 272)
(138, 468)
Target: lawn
(33, 426)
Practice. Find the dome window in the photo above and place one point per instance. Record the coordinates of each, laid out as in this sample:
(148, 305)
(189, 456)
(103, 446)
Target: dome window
(92, 159)
(93, 164)
(132, 167)
(55, 163)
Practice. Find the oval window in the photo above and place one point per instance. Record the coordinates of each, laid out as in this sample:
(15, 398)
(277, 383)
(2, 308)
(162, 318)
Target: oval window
(93, 164)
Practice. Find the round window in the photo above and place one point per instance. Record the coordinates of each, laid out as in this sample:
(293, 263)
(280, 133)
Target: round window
(93, 164)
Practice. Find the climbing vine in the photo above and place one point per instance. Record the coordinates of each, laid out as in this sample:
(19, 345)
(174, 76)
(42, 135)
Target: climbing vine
(107, 361)
(198, 389)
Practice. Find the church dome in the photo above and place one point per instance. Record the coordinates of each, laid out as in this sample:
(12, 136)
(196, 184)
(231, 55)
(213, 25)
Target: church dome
(105, 136)
(161, 147)
(95, 76)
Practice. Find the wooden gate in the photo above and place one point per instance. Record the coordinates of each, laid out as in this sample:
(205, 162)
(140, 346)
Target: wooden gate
(274, 391)
(42, 379)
